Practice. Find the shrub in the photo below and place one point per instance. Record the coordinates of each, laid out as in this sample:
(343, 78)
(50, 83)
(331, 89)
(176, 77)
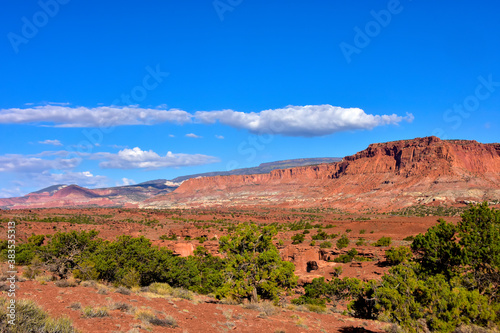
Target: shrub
(254, 267)
(362, 231)
(320, 235)
(319, 291)
(343, 242)
(398, 255)
(123, 290)
(345, 258)
(453, 281)
(168, 237)
(31, 318)
(383, 241)
(89, 312)
(298, 238)
(121, 306)
(168, 321)
(265, 307)
(325, 245)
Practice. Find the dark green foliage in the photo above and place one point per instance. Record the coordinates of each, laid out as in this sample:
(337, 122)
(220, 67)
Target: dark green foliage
(342, 242)
(479, 233)
(319, 292)
(453, 281)
(345, 258)
(404, 298)
(321, 235)
(168, 237)
(325, 245)
(66, 251)
(438, 251)
(398, 255)
(298, 238)
(253, 265)
(383, 241)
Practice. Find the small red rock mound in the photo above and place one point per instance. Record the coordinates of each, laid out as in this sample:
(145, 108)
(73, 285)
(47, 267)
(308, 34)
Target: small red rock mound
(384, 176)
(74, 192)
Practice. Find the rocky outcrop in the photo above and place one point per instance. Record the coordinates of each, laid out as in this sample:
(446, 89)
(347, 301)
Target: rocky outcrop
(384, 176)
(184, 249)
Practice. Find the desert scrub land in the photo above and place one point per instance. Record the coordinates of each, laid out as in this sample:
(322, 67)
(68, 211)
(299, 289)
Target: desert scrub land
(441, 279)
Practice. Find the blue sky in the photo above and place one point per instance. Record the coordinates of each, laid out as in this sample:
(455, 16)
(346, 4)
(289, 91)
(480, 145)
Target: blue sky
(102, 93)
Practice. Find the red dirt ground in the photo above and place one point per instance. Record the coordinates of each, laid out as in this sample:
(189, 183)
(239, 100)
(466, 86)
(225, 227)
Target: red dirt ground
(197, 315)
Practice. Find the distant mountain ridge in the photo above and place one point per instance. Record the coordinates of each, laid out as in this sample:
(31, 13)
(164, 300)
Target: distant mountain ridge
(63, 195)
(385, 176)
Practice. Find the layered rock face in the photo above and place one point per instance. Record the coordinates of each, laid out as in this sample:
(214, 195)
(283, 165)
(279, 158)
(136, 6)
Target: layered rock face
(384, 176)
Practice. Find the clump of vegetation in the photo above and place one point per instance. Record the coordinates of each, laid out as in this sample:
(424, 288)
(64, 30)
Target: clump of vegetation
(298, 238)
(99, 312)
(168, 237)
(348, 257)
(266, 308)
(343, 242)
(325, 245)
(421, 210)
(254, 268)
(148, 317)
(452, 281)
(31, 318)
(398, 255)
(361, 242)
(383, 241)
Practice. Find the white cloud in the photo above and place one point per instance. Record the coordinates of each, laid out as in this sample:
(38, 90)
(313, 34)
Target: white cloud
(22, 163)
(194, 136)
(171, 135)
(51, 142)
(126, 182)
(10, 193)
(85, 178)
(141, 159)
(219, 137)
(103, 116)
(308, 121)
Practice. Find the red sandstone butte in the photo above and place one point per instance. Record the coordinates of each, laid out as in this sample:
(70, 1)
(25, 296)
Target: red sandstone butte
(385, 176)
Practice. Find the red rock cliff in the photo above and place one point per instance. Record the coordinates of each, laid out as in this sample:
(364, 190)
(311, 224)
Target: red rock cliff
(384, 176)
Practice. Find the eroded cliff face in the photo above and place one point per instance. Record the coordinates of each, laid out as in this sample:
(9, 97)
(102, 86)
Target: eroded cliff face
(384, 176)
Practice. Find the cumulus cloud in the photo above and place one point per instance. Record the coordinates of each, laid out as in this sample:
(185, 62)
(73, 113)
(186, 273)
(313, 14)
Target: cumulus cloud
(194, 136)
(51, 142)
(219, 137)
(126, 182)
(102, 116)
(308, 121)
(84, 178)
(141, 159)
(22, 163)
